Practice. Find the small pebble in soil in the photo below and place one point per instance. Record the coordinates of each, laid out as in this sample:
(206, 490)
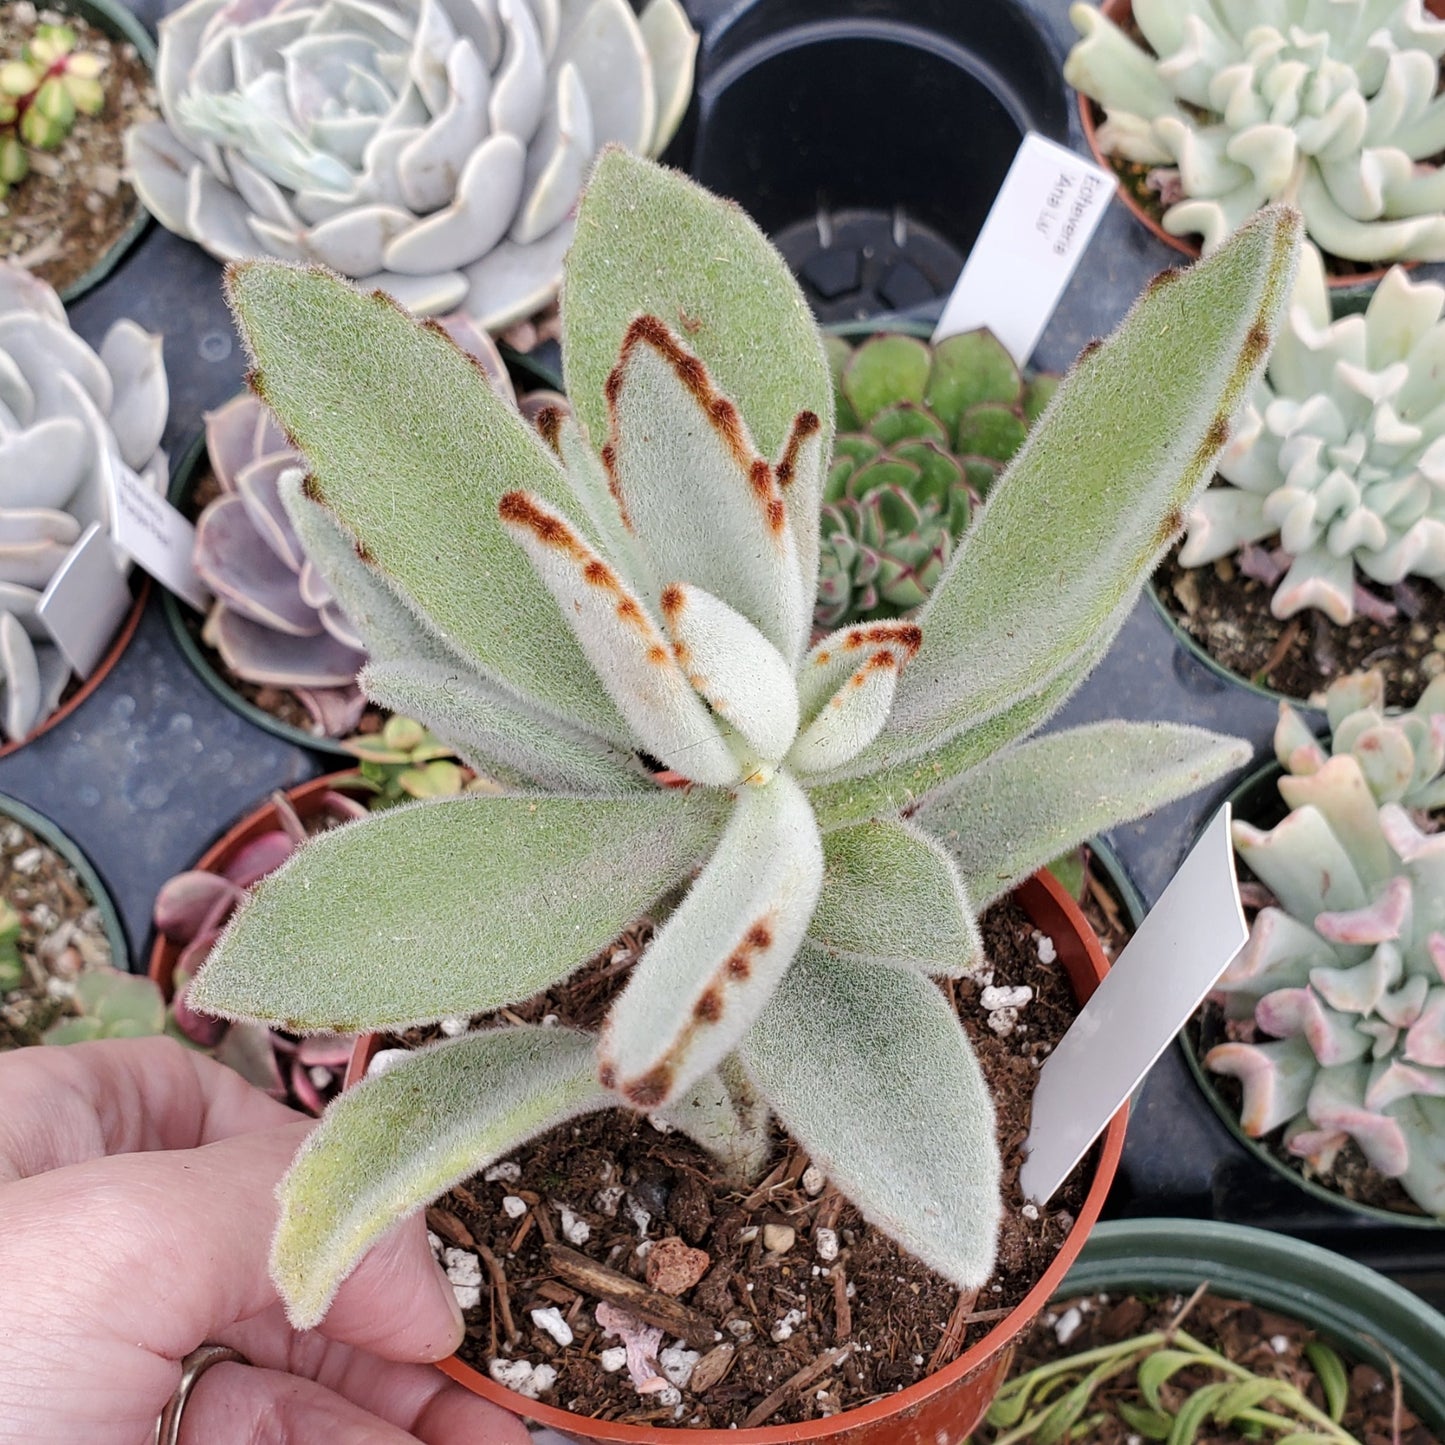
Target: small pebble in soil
(507, 1172)
(1046, 950)
(574, 1230)
(513, 1207)
(813, 1181)
(1005, 997)
(1030, 1211)
(1067, 1325)
(778, 1238)
(455, 1028)
(783, 1329)
(608, 1199)
(522, 1376)
(383, 1059)
(613, 1360)
(677, 1362)
(550, 1322)
(825, 1241)
(464, 1270)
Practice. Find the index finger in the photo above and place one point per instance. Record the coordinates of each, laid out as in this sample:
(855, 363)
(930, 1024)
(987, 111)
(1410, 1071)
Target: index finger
(64, 1105)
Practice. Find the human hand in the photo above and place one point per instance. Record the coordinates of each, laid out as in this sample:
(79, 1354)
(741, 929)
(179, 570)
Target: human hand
(137, 1183)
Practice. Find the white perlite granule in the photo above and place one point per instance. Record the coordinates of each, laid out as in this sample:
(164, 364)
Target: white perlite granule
(513, 1207)
(550, 1322)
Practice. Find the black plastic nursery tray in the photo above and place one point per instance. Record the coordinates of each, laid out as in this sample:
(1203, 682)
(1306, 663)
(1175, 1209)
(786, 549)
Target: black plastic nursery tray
(870, 136)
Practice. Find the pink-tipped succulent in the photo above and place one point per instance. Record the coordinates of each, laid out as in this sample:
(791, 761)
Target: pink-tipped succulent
(191, 910)
(275, 621)
(1345, 971)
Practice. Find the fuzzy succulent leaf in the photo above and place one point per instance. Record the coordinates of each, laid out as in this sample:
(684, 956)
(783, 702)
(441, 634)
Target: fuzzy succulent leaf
(712, 273)
(1010, 815)
(715, 963)
(402, 473)
(486, 900)
(1021, 603)
(496, 734)
(891, 895)
(903, 1123)
(394, 1143)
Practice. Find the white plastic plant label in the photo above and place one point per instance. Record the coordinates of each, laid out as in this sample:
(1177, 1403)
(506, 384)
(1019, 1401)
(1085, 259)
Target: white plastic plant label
(156, 535)
(1035, 235)
(86, 601)
(1189, 938)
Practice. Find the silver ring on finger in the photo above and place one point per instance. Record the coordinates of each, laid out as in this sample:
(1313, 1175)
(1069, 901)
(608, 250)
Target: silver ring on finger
(195, 1364)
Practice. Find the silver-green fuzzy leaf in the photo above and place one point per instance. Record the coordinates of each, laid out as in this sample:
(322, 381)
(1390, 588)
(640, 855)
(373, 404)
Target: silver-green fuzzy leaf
(487, 729)
(892, 895)
(712, 273)
(870, 1070)
(1021, 601)
(1009, 816)
(402, 473)
(399, 1140)
(449, 908)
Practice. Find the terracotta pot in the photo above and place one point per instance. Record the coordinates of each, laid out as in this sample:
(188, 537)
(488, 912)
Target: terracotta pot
(305, 798)
(1357, 287)
(945, 1407)
(103, 667)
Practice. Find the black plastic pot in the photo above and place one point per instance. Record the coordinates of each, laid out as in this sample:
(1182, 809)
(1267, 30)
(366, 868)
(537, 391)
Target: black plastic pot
(868, 138)
(1366, 1316)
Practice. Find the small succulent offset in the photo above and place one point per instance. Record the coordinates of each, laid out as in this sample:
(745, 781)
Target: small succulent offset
(41, 94)
(1340, 451)
(1329, 105)
(923, 432)
(1347, 970)
(69, 418)
(404, 762)
(433, 148)
(636, 581)
(12, 965)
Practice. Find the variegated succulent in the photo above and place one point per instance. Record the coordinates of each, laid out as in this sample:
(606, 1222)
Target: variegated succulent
(41, 93)
(69, 417)
(1330, 105)
(923, 431)
(274, 620)
(433, 148)
(1346, 970)
(1340, 451)
(634, 584)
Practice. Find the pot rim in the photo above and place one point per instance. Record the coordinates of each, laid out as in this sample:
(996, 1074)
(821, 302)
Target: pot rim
(1262, 775)
(164, 954)
(120, 24)
(55, 837)
(1356, 287)
(1051, 908)
(1375, 1317)
(103, 668)
(183, 480)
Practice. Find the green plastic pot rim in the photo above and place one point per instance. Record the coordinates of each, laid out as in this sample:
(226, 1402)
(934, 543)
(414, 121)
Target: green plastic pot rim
(1351, 291)
(53, 836)
(1191, 645)
(1373, 1317)
(182, 481)
(117, 22)
(1254, 1147)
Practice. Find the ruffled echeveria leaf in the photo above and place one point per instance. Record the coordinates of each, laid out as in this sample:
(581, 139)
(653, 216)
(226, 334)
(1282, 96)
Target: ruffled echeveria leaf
(402, 1138)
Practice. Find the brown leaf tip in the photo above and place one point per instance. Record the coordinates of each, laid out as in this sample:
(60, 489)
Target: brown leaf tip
(311, 489)
(651, 1089)
(363, 552)
(673, 600)
(549, 427)
(517, 509)
(1161, 279)
(806, 424)
(1089, 348)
